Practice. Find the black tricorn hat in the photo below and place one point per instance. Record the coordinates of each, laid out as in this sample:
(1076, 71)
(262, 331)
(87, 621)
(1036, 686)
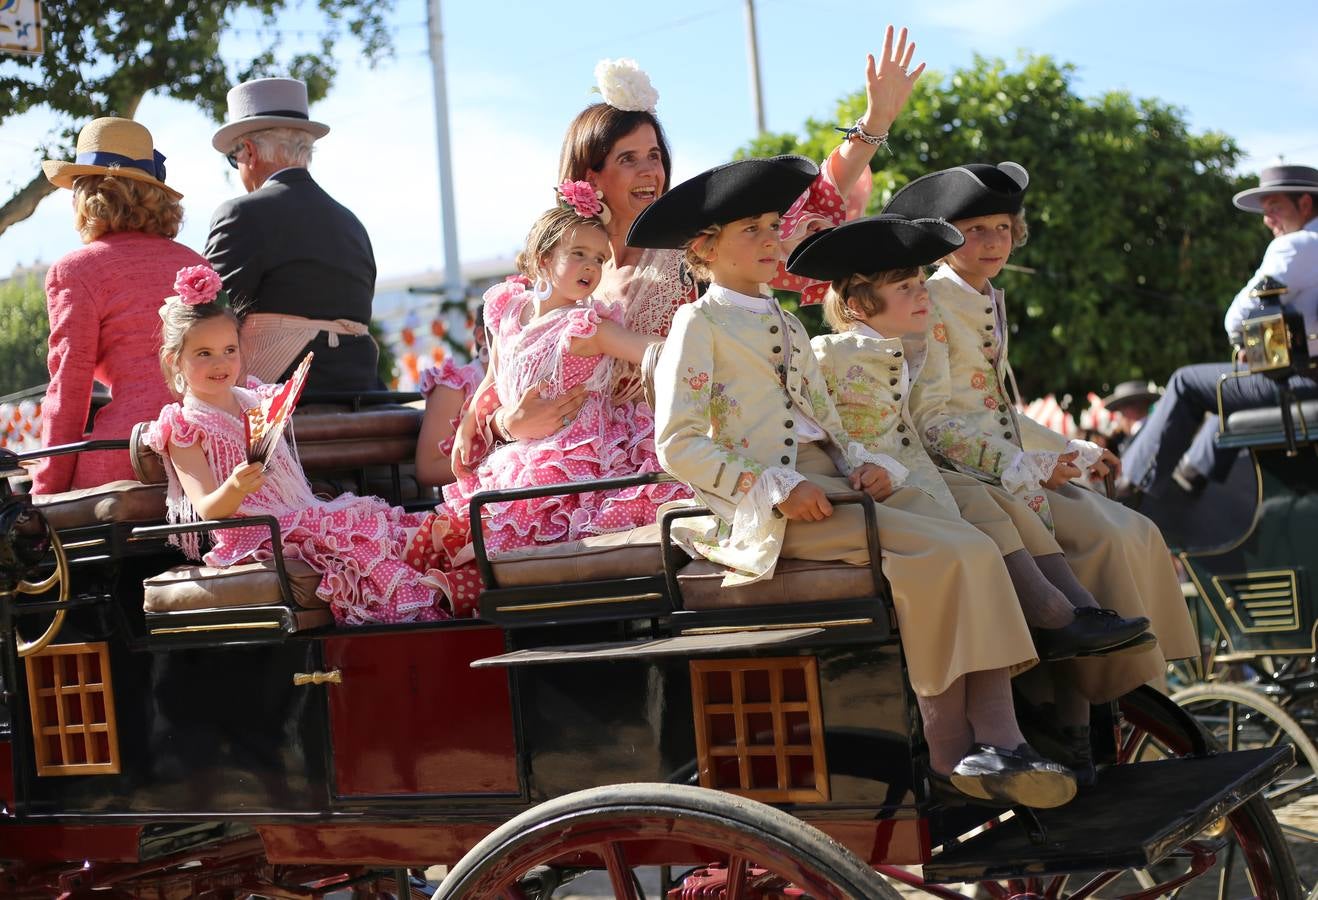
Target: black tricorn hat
(1278, 180)
(749, 187)
(873, 244)
(963, 192)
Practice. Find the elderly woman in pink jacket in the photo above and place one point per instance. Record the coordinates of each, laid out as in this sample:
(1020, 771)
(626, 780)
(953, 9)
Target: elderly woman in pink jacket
(103, 299)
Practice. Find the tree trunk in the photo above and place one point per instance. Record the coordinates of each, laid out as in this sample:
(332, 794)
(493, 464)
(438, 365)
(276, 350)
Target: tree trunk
(24, 202)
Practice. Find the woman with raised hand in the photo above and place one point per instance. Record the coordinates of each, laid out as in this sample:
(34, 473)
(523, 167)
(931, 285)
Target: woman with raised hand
(618, 145)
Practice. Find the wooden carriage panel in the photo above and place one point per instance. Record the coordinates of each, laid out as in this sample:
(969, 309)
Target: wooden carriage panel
(71, 699)
(759, 728)
(411, 716)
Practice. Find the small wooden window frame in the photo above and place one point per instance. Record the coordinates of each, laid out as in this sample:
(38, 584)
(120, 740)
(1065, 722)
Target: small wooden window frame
(710, 751)
(65, 719)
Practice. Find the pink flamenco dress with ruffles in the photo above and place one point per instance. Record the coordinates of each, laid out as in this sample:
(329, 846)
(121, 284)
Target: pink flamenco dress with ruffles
(357, 544)
(601, 441)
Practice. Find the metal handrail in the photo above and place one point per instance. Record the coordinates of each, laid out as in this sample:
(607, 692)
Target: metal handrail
(142, 532)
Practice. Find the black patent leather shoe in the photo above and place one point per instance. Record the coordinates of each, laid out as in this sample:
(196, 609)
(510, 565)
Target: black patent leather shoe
(1019, 777)
(944, 791)
(1138, 644)
(1093, 630)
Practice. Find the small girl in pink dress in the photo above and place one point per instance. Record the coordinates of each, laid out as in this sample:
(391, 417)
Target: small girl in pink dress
(355, 543)
(553, 338)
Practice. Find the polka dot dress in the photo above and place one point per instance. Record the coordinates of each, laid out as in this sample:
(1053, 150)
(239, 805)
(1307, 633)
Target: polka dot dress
(357, 544)
(601, 441)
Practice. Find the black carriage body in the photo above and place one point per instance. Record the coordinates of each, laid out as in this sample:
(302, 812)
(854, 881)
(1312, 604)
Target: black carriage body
(254, 743)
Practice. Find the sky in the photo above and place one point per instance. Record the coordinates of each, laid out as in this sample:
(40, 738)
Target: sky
(519, 70)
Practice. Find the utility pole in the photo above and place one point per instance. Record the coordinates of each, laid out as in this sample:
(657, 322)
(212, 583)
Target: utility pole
(753, 51)
(454, 286)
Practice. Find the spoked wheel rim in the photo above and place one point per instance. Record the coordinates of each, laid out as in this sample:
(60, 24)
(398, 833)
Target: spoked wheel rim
(1239, 717)
(621, 827)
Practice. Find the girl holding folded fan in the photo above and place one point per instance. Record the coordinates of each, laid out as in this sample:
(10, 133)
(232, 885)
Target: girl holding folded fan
(355, 543)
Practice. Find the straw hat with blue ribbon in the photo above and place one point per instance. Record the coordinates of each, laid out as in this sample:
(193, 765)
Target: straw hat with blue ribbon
(112, 146)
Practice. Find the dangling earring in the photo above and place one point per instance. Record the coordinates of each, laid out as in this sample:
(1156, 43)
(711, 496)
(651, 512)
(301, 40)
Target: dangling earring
(179, 384)
(542, 289)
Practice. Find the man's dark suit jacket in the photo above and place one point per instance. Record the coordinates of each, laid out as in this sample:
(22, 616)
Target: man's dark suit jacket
(289, 247)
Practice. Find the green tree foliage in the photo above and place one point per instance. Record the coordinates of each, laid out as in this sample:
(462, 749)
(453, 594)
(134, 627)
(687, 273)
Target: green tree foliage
(1134, 249)
(24, 330)
(102, 56)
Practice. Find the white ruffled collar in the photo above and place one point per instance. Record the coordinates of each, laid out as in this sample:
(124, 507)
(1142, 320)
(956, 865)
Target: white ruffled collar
(744, 301)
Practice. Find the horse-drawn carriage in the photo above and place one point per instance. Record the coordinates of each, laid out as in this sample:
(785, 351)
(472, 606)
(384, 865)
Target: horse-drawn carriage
(1247, 547)
(178, 731)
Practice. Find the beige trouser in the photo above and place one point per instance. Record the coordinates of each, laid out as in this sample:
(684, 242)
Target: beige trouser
(956, 608)
(1118, 555)
(1122, 558)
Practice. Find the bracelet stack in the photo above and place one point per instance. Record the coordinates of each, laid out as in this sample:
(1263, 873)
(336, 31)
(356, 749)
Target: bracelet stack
(858, 133)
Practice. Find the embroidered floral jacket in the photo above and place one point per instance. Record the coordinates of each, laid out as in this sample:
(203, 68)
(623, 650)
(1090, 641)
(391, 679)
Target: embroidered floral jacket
(869, 378)
(731, 387)
(960, 403)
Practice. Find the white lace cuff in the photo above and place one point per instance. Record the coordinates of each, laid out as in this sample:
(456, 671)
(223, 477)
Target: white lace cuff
(753, 517)
(1029, 470)
(896, 471)
(1087, 453)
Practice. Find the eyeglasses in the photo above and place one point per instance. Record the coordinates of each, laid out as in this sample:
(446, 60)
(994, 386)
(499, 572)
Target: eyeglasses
(233, 157)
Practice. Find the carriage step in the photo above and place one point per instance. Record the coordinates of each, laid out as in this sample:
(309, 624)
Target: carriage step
(1133, 817)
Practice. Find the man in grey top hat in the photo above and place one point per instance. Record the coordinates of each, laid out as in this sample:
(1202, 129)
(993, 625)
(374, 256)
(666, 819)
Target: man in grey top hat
(1176, 444)
(297, 263)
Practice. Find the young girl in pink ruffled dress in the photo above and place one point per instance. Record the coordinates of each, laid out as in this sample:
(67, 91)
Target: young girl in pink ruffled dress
(552, 338)
(355, 543)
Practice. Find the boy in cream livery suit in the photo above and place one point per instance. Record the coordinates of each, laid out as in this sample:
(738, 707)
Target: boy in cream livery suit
(878, 305)
(968, 423)
(742, 414)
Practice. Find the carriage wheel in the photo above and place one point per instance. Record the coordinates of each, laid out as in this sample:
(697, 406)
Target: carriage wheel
(605, 827)
(1241, 718)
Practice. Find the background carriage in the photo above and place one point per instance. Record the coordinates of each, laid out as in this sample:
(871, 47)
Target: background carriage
(176, 731)
(1247, 548)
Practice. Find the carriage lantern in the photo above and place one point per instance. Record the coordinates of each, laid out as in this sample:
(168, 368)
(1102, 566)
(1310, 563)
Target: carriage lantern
(1273, 336)
(1275, 344)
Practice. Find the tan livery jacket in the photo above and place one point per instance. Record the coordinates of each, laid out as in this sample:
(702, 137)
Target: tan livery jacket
(960, 403)
(869, 378)
(731, 385)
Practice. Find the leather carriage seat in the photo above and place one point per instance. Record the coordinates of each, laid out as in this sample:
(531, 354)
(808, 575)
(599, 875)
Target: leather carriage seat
(106, 504)
(623, 554)
(242, 594)
(793, 581)
(1267, 419)
(117, 502)
(337, 444)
